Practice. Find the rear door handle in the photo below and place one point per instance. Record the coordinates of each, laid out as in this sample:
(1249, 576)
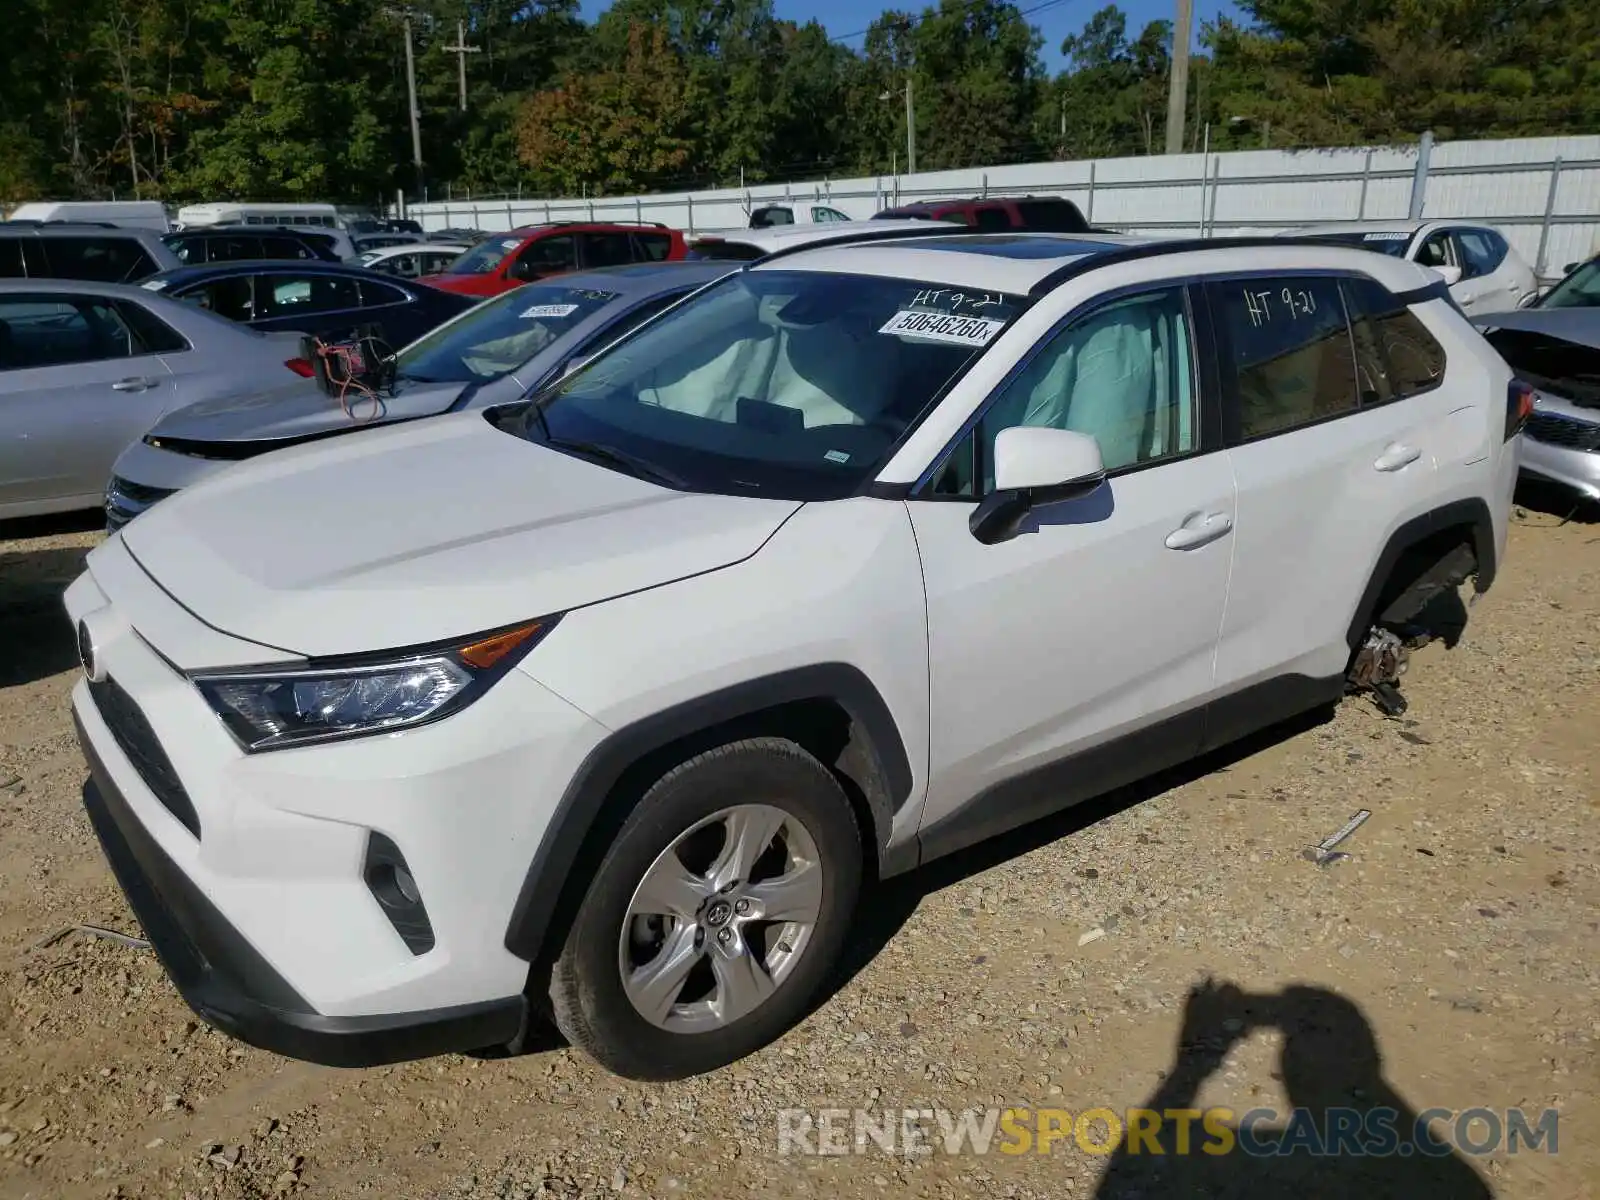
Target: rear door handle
(1396, 456)
(133, 385)
(1198, 529)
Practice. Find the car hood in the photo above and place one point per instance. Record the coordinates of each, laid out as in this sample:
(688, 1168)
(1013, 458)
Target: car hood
(1580, 325)
(424, 532)
(216, 428)
(1557, 350)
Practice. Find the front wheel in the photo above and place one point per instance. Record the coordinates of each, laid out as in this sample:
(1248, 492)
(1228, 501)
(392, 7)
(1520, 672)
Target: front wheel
(715, 915)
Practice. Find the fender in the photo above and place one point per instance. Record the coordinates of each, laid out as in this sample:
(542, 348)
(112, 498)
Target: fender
(592, 801)
(1473, 513)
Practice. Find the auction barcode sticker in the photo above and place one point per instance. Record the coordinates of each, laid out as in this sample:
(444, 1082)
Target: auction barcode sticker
(549, 310)
(1385, 235)
(943, 327)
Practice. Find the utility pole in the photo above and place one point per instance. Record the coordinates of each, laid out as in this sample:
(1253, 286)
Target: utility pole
(461, 50)
(911, 123)
(411, 94)
(1178, 91)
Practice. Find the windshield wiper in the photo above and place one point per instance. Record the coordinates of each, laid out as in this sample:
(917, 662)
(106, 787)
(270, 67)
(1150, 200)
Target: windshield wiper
(632, 464)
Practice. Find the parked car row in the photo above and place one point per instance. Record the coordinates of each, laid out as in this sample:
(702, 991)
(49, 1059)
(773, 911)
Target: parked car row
(662, 607)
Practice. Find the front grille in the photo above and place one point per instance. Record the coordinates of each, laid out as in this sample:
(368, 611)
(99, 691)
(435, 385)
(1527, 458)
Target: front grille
(138, 741)
(125, 500)
(1563, 431)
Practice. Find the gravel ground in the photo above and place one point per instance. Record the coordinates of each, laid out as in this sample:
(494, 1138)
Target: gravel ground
(1449, 961)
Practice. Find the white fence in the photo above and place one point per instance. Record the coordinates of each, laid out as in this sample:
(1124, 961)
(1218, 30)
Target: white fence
(1544, 193)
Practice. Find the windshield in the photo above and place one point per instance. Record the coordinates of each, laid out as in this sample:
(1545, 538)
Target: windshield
(499, 335)
(793, 384)
(484, 257)
(1382, 241)
(1581, 289)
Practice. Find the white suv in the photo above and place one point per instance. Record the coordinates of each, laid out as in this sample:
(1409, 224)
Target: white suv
(1479, 266)
(603, 706)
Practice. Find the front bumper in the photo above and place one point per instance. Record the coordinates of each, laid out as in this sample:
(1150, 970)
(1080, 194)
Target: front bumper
(255, 872)
(1565, 449)
(231, 986)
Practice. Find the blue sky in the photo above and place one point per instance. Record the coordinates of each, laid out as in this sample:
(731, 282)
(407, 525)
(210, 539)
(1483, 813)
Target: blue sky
(1056, 22)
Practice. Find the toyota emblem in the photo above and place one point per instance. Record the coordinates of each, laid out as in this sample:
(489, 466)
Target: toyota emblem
(87, 655)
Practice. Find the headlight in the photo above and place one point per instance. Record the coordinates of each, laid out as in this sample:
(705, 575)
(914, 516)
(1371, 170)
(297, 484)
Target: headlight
(271, 708)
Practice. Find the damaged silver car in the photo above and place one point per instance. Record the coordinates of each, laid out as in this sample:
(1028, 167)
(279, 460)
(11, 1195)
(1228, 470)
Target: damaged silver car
(1555, 347)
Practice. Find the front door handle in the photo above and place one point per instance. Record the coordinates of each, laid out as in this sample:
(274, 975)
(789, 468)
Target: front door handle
(1396, 456)
(133, 385)
(1199, 529)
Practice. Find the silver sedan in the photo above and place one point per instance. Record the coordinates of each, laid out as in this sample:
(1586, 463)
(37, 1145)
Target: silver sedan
(87, 368)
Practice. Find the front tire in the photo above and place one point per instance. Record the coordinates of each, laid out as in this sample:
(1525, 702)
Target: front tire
(714, 916)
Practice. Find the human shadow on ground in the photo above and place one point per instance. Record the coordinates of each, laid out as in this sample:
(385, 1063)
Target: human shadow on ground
(1332, 1074)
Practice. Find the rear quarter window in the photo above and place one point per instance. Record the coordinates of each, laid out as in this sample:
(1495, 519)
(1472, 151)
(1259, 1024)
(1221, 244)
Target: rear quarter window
(1413, 359)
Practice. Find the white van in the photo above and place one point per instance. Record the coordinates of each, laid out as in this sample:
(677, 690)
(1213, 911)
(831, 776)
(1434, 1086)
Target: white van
(246, 213)
(132, 214)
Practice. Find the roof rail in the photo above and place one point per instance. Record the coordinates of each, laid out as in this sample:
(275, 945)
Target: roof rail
(35, 223)
(1154, 249)
(874, 235)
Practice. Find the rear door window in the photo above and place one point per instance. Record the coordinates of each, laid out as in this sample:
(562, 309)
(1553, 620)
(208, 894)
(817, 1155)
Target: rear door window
(283, 247)
(290, 295)
(652, 247)
(546, 256)
(191, 252)
(376, 294)
(1288, 351)
(101, 259)
(991, 217)
(773, 214)
(11, 259)
(236, 247)
(232, 297)
(1479, 251)
(606, 250)
(53, 330)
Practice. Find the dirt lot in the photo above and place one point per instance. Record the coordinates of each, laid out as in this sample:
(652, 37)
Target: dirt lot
(1450, 961)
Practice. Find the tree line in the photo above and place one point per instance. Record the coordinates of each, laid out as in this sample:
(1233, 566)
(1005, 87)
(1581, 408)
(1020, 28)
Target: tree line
(306, 99)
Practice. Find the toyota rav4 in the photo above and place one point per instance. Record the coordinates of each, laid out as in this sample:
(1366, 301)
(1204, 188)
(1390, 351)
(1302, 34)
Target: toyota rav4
(605, 705)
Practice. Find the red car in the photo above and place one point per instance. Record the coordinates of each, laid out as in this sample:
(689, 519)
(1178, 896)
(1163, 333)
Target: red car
(504, 261)
(1047, 214)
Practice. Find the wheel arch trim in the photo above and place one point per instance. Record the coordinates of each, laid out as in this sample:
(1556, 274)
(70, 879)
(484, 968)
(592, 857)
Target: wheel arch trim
(545, 898)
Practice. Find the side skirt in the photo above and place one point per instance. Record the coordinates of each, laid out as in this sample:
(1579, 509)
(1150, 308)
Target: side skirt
(1127, 759)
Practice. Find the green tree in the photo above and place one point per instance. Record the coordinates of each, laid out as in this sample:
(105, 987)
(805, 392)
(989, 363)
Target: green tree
(629, 127)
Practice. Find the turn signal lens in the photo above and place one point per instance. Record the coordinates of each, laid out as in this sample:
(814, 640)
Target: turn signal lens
(491, 650)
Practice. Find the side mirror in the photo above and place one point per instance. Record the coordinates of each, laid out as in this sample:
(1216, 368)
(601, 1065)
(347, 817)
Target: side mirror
(1035, 466)
(1450, 275)
(1570, 268)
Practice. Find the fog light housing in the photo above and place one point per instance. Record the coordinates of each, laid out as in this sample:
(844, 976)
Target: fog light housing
(388, 877)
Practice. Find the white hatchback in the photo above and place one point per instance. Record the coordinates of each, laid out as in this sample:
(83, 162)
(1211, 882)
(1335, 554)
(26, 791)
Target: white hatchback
(1480, 267)
(602, 706)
